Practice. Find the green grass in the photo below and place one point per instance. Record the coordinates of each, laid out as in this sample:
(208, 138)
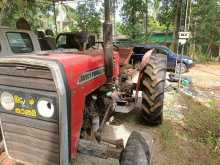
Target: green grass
(203, 125)
(167, 134)
(197, 139)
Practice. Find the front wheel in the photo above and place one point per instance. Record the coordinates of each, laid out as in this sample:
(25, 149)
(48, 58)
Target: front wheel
(136, 151)
(2, 149)
(181, 68)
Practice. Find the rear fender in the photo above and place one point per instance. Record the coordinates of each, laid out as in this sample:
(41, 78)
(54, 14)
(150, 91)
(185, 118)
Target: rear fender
(144, 62)
(125, 55)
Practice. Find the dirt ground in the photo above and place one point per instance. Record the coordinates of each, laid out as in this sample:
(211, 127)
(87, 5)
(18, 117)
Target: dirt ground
(165, 149)
(206, 80)
(206, 76)
(123, 125)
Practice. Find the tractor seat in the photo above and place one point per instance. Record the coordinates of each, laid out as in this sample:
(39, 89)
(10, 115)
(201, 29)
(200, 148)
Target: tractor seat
(40, 34)
(50, 42)
(46, 42)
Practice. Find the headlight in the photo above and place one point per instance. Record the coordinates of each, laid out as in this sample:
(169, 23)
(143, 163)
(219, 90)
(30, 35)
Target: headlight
(45, 108)
(190, 61)
(7, 101)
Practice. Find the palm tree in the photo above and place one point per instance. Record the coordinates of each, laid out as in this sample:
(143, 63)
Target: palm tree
(146, 17)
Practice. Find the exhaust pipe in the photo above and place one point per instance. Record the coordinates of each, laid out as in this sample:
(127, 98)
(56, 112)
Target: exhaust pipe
(107, 38)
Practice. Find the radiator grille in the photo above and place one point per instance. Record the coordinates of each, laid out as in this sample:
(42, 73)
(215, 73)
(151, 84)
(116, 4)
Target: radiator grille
(29, 139)
(26, 76)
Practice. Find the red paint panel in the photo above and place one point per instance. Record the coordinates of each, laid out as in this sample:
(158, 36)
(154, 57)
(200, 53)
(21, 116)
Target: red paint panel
(75, 65)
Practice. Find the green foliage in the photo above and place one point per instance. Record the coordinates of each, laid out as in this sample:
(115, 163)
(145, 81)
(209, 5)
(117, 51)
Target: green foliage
(1, 5)
(156, 26)
(133, 16)
(88, 18)
(35, 13)
(71, 16)
(155, 5)
(199, 55)
(167, 13)
(85, 17)
(134, 21)
(4, 8)
(153, 26)
(132, 32)
(205, 24)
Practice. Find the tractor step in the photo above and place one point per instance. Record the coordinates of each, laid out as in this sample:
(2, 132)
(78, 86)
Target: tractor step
(124, 109)
(100, 150)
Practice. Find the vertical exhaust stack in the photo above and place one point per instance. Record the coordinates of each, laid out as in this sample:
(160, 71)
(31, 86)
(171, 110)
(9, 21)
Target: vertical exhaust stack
(107, 37)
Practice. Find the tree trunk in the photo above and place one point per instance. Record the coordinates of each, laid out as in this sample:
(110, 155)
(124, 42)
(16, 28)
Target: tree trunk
(177, 23)
(146, 18)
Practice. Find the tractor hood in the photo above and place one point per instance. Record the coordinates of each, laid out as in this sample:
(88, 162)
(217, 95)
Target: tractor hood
(75, 63)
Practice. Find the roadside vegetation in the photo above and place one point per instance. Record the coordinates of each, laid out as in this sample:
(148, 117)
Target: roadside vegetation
(204, 125)
(137, 20)
(196, 140)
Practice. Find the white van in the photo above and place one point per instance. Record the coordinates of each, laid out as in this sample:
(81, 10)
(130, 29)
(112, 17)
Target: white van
(15, 42)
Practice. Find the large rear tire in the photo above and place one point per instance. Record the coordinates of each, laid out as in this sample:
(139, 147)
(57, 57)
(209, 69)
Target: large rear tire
(136, 151)
(153, 83)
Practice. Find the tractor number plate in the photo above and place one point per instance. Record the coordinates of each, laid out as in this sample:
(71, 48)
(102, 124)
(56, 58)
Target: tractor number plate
(25, 106)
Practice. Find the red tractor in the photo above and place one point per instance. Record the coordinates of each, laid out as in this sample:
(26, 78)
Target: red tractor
(55, 104)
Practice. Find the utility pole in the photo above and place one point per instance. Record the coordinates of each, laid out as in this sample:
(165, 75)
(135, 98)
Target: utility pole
(55, 16)
(114, 15)
(146, 18)
(183, 44)
(190, 11)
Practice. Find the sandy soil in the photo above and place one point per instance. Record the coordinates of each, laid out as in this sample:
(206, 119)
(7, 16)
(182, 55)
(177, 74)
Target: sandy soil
(206, 76)
(206, 80)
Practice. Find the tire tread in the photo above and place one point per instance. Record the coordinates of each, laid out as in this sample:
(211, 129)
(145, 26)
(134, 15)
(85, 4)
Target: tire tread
(153, 82)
